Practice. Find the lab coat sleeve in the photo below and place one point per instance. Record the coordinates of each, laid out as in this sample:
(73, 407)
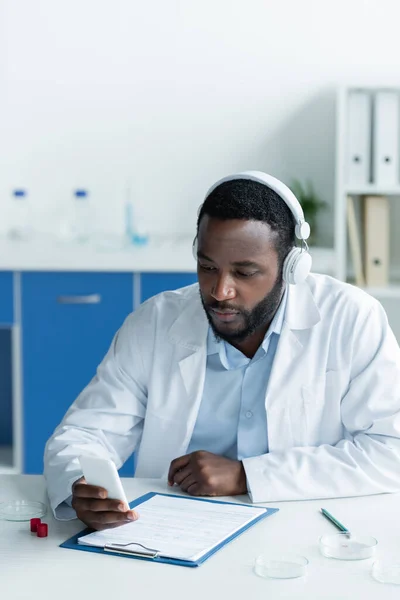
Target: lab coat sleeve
(105, 420)
(367, 460)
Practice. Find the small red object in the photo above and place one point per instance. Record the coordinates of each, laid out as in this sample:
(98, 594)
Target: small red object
(42, 530)
(34, 524)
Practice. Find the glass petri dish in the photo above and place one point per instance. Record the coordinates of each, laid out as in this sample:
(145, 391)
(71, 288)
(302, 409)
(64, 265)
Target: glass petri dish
(386, 571)
(347, 546)
(21, 510)
(280, 566)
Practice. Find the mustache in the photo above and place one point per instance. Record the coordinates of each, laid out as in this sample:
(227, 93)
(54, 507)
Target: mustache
(222, 306)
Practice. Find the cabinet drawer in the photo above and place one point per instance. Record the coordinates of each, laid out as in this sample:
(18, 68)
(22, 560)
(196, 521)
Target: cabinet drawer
(69, 320)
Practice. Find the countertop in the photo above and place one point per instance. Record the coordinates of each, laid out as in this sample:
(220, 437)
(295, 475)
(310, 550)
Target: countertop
(160, 254)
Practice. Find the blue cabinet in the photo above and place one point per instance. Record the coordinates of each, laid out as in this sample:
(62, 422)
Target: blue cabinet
(6, 322)
(6, 298)
(154, 283)
(68, 322)
(6, 424)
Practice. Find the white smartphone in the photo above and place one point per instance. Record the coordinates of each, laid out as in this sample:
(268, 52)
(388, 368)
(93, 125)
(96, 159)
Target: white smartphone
(103, 473)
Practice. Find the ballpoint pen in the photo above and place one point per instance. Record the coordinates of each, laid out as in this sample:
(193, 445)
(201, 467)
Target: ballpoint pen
(334, 521)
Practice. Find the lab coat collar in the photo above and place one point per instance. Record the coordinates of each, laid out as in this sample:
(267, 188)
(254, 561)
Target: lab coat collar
(301, 310)
(190, 328)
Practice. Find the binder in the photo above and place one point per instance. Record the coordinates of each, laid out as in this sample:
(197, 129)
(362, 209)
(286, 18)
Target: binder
(355, 242)
(386, 138)
(141, 552)
(358, 154)
(376, 234)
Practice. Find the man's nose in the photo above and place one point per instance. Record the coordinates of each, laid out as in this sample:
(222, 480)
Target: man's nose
(223, 289)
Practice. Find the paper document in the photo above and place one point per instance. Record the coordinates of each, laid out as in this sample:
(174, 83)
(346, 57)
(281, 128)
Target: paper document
(177, 527)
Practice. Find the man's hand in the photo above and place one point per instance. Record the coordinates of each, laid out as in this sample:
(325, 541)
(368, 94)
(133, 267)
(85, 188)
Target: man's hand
(205, 474)
(95, 510)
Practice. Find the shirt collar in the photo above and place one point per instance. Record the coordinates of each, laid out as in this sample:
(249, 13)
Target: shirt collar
(277, 321)
(212, 343)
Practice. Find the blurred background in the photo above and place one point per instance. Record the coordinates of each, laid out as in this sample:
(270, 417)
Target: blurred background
(116, 117)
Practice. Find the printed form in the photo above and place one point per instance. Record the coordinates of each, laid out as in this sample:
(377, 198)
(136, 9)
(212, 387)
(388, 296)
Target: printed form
(177, 527)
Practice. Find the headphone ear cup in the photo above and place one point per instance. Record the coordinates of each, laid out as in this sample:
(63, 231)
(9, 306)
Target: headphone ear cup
(302, 231)
(297, 266)
(194, 248)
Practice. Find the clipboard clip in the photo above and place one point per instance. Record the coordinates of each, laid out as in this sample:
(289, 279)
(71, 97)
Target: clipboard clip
(123, 549)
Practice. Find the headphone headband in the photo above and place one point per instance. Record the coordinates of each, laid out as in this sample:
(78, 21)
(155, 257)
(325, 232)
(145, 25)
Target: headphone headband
(302, 227)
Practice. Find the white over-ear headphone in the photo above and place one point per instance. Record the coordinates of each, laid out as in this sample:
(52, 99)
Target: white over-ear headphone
(297, 264)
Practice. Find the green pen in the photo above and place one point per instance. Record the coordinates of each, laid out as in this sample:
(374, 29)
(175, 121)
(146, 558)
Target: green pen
(334, 521)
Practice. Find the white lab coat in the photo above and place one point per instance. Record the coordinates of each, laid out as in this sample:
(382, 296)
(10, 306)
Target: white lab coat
(332, 403)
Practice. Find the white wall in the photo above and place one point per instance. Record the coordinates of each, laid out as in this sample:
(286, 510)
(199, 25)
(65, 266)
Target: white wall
(173, 94)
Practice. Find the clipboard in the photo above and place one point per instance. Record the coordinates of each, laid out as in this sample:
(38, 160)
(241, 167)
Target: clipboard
(150, 554)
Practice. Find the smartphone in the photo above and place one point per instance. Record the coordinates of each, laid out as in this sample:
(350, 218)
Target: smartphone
(103, 473)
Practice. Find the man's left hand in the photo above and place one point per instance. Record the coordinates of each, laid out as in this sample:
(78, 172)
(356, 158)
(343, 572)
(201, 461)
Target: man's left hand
(202, 473)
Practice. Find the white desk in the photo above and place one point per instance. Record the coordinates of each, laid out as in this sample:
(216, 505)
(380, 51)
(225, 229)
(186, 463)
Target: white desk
(37, 568)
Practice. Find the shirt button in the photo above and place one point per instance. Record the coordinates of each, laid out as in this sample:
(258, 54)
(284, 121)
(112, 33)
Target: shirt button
(249, 414)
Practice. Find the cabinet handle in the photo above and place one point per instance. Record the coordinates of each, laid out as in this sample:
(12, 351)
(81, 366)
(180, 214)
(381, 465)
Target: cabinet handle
(90, 299)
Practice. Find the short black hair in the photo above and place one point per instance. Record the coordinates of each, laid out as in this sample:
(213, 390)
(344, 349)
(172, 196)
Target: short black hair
(252, 201)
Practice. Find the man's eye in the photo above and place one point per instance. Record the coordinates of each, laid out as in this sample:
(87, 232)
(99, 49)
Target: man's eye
(241, 274)
(206, 268)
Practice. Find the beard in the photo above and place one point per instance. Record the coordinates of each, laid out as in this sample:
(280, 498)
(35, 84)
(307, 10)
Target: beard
(260, 316)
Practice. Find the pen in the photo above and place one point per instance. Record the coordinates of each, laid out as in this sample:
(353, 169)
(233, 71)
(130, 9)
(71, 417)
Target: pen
(334, 521)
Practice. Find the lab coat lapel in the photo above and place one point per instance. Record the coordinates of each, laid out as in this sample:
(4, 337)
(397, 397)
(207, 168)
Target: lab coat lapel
(189, 333)
(171, 431)
(287, 371)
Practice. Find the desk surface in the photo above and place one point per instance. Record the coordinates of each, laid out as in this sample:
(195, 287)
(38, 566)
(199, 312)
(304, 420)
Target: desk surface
(37, 568)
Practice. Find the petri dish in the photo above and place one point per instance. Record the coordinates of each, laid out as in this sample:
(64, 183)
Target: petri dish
(386, 571)
(280, 566)
(348, 546)
(21, 510)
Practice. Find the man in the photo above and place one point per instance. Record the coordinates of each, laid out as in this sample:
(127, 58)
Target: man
(261, 383)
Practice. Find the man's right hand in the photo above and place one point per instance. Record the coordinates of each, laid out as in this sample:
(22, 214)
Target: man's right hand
(94, 508)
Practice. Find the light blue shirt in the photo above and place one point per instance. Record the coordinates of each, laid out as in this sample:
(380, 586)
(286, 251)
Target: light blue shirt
(232, 419)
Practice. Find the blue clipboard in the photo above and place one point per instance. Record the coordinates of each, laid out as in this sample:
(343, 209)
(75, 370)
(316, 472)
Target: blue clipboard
(72, 543)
